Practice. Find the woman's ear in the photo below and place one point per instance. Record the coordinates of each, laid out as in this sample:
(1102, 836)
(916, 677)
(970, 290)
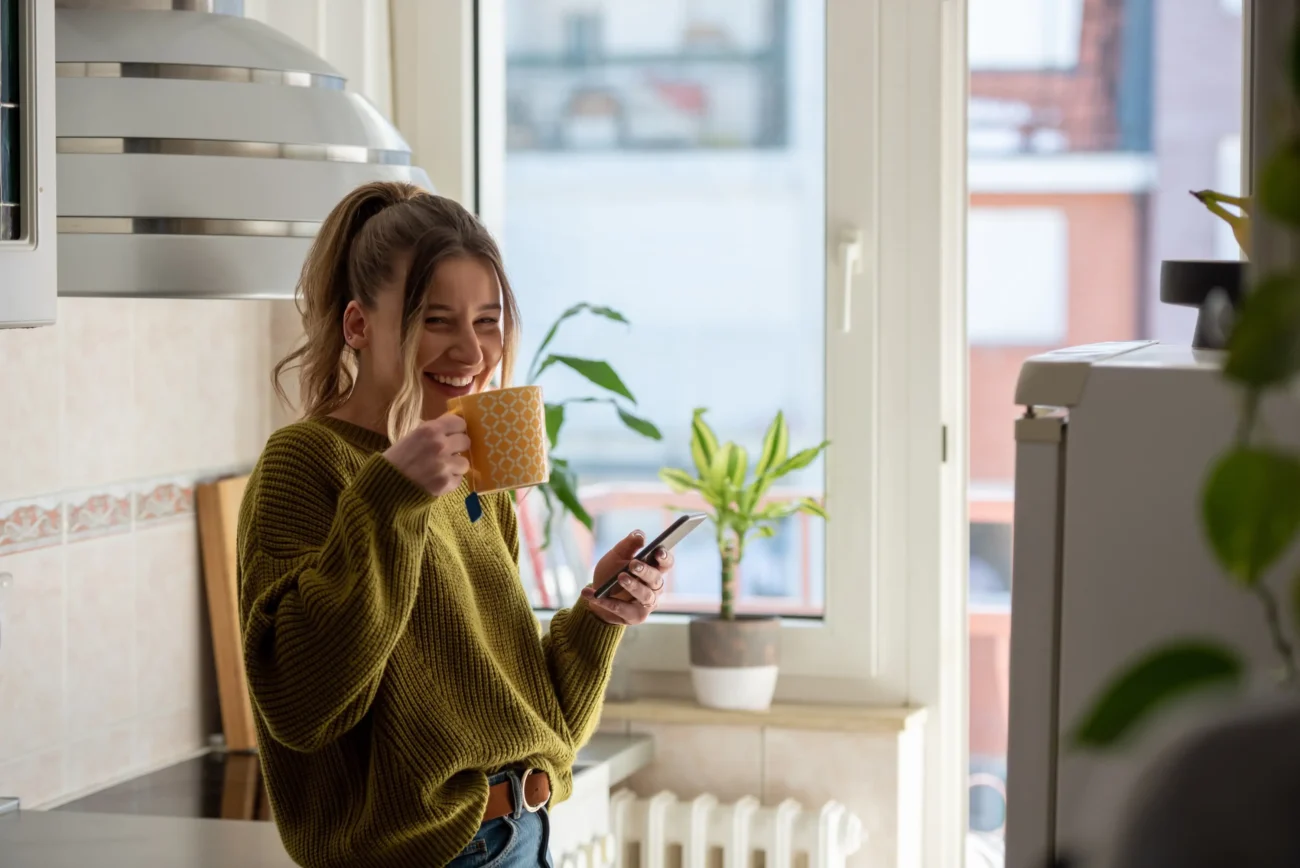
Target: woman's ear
(355, 326)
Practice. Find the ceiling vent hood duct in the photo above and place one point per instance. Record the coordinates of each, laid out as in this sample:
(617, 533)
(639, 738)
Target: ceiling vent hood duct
(198, 151)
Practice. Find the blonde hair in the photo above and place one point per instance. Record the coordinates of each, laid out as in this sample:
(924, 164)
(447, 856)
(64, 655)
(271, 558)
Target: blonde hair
(351, 258)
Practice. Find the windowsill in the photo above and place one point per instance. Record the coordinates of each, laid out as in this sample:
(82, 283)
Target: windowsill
(884, 720)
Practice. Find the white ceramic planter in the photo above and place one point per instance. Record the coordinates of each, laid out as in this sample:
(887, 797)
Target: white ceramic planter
(734, 663)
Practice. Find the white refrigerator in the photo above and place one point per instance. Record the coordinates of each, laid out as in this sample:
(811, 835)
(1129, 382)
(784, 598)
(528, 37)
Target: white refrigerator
(1112, 452)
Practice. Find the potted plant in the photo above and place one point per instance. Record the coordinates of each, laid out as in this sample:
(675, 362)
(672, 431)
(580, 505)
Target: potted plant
(734, 659)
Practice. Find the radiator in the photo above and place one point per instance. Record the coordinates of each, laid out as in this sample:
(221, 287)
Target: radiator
(664, 832)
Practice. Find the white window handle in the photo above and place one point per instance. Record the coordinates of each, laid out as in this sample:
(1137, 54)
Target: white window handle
(851, 251)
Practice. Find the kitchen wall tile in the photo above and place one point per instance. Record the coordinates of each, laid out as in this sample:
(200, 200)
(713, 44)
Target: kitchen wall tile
(31, 652)
(35, 779)
(101, 626)
(230, 400)
(98, 391)
(170, 628)
(168, 389)
(170, 737)
(30, 524)
(98, 513)
(858, 770)
(690, 760)
(31, 393)
(100, 759)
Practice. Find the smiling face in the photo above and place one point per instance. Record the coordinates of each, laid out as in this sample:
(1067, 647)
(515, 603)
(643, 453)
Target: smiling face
(459, 343)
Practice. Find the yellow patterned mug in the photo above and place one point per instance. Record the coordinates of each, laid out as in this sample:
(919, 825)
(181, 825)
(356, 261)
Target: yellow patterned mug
(507, 436)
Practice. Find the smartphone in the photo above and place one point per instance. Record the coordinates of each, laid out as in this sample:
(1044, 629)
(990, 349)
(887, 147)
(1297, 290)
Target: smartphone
(672, 535)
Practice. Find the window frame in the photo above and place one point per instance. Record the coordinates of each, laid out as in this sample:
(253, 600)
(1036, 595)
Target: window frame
(29, 263)
(895, 626)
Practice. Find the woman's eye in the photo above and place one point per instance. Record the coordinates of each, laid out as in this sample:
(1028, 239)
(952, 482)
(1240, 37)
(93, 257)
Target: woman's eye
(488, 320)
(435, 320)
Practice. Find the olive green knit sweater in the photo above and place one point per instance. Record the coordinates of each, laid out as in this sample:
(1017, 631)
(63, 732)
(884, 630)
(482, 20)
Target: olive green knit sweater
(392, 655)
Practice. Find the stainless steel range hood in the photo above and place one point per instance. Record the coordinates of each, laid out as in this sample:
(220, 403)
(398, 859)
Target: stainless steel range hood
(198, 150)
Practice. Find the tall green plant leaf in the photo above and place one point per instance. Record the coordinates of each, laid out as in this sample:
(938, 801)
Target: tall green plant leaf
(564, 484)
(748, 500)
(554, 421)
(812, 507)
(641, 426)
(703, 443)
(1152, 683)
(776, 446)
(1264, 348)
(597, 372)
(644, 427)
(799, 460)
(737, 464)
(719, 469)
(548, 496)
(1251, 510)
(606, 312)
(679, 480)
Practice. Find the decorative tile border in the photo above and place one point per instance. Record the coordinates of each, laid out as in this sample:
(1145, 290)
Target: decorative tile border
(98, 514)
(37, 522)
(32, 524)
(164, 499)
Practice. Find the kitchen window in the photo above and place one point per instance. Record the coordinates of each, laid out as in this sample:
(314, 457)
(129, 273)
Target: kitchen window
(10, 153)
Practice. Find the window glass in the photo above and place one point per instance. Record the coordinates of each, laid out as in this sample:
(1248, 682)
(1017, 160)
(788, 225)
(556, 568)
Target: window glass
(665, 158)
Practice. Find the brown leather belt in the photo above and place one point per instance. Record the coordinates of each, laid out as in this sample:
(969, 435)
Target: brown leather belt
(501, 803)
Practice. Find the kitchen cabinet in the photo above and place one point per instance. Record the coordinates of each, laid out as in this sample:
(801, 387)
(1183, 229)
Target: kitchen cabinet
(28, 220)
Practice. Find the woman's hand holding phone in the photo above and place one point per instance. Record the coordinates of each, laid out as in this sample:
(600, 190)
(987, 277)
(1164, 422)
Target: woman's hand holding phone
(640, 583)
(431, 455)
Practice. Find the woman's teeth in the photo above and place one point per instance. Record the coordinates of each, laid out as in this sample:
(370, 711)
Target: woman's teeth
(455, 382)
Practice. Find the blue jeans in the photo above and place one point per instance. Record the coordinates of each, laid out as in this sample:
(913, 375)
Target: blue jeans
(514, 841)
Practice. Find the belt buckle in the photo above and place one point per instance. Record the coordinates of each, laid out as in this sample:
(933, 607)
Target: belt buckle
(523, 793)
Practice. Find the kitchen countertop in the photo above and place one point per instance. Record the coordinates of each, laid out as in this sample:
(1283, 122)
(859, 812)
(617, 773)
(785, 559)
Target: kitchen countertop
(75, 839)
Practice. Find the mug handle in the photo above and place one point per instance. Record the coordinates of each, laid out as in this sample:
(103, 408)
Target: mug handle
(454, 408)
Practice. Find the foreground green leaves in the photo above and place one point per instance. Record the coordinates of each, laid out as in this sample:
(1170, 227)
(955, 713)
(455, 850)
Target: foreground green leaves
(1264, 348)
(1251, 510)
(1153, 683)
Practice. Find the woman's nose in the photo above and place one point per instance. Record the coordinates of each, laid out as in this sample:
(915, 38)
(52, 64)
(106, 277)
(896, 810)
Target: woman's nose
(467, 350)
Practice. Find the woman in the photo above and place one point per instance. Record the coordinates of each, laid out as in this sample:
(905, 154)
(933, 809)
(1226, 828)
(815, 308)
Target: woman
(408, 712)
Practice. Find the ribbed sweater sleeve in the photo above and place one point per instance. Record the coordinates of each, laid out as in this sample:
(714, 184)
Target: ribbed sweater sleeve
(580, 650)
(329, 576)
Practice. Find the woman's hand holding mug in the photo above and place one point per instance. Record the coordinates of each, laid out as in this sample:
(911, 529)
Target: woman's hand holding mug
(432, 455)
